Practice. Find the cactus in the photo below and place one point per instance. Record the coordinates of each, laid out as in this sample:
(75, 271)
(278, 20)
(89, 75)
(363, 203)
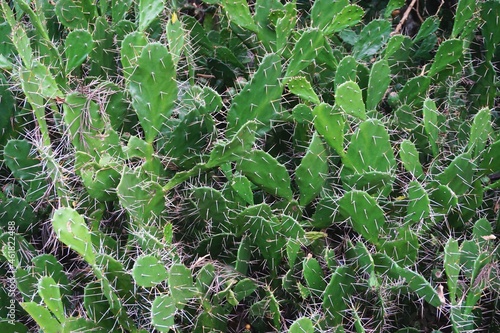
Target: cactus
(285, 25)
(349, 99)
(367, 217)
(312, 171)
(413, 91)
(239, 13)
(305, 50)
(17, 210)
(51, 296)
(489, 11)
(265, 171)
(148, 11)
(148, 271)
(329, 122)
(465, 11)
(418, 203)
(410, 157)
(337, 291)
(479, 132)
(132, 46)
(79, 44)
(142, 199)
(379, 82)
(302, 88)
(181, 285)
(452, 268)
(348, 16)
(346, 70)
(256, 100)
(369, 143)
(175, 35)
(416, 282)
(229, 166)
(153, 88)
(447, 54)
(162, 313)
(313, 274)
(243, 187)
(373, 36)
(43, 317)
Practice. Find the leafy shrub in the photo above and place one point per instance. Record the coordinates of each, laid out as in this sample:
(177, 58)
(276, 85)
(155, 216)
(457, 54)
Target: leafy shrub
(227, 167)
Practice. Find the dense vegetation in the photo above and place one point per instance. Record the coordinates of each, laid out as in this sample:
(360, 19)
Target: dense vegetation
(264, 166)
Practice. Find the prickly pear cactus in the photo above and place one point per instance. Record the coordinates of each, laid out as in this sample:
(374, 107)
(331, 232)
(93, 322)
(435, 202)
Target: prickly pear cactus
(249, 166)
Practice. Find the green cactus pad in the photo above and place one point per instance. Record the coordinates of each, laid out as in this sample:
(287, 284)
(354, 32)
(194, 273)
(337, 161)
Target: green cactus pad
(312, 171)
(73, 324)
(490, 10)
(72, 230)
(42, 317)
(212, 208)
(339, 288)
(256, 100)
(148, 271)
(397, 52)
(148, 11)
(323, 12)
(348, 16)
(285, 26)
(39, 82)
(240, 143)
(305, 50)
(100, 182)
(244, 288)
(175, 37)
(302, 88)
(153, 88)
(380, 79)
(181, 285)
(302, 325)
(27, 284)
(443, 199)
(414, 90)
(266, 172)
(48, 289)
(243, 256)
(18, 211)
(370, 156)
(448, 53)
(313, 274)
(452, 268)
(371, 39)
(404, 248)
(464, 12)
(131, 49)
(348, 97)
(366, 216)
(480, 131)
(163, 312)
(416, 282)
(241, 185)
(410, 157)
(431, 124)
(142, 199)
(238, 12)
(418, 203)
(459, 175)
(327, 213)
(79, 44)
(71, 14)
(330, 122)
